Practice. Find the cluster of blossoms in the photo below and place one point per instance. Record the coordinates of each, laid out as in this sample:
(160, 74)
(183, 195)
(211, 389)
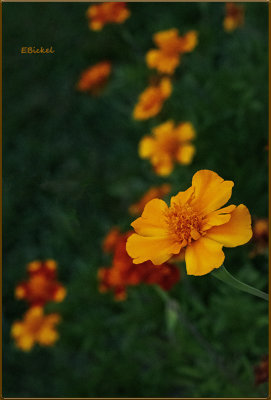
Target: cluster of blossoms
(106, 13)
(124, 272)
(40, 288)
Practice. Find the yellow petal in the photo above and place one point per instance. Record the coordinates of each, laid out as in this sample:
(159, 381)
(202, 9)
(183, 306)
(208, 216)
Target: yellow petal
(163, 38)
(164, 167)
(211, 191)
(152, 58)
(152, 222)
(235, 232)
(202, 256)
(146, 147)
(161, 131)
(182, 197)
(218, 217)
(166, 87)
(185, 131)
(185, 154)
(156, 249)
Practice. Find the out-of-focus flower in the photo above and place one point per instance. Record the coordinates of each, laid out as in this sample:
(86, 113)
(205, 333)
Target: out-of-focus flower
(153, 193)
(124, 273)
(260, 236)
(234, 17)
(35, 328)
(110, 12)
(94, 78)
(170, 47)
(41, 285)
(111, 240)
(261, 371)
(194, 222)
(168, 144)
(152, 99)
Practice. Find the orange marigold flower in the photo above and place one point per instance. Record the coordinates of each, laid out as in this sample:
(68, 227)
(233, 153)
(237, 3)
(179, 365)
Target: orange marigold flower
(111, 240)
(102, 14)
(35, 328)
(193, 223)
(124, 272)
(153, 193)
(234, 17)
(41, 285)
(169, 143)
(170, 47)
(152, 99)
(261, 371)
(94, 78)
(260, 236)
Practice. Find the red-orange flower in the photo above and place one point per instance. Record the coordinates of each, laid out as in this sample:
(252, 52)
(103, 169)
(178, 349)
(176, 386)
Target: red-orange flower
(153, 193)
(168, 143)
(35, 328)
(260, 236)
(124, 273)
(152, 99)
(94, 78)
(170, 47)
(194, 223)
(234, 17)
(109, 12)
(261, 371)
(41, 285)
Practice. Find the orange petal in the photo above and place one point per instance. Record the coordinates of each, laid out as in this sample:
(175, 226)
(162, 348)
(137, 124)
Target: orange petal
(218, 217)
(182, 197)
(185, 154)
(185, 131)
(146, 147)
(235, 232)
(156, 249)
(163, 38)
(161, 131)
(202, 256)
(211, 191)
(152, 222)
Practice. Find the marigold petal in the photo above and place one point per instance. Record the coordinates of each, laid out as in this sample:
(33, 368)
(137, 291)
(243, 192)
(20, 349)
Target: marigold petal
(182, 197)
(235, 232)
(166, 87)
(163, 38)
(152, 222)
(186, 154)
(156, 249)
(202, 256)
(146, 147)
(185, 131)
(218, 217)
(211, 191)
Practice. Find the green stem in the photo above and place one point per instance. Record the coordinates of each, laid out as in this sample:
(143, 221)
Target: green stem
(222, 274)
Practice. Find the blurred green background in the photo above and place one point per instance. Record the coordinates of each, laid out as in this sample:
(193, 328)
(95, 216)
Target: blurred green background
(71, 170)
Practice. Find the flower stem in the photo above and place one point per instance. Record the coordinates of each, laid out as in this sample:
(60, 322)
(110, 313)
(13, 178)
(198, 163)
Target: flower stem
(222, 274)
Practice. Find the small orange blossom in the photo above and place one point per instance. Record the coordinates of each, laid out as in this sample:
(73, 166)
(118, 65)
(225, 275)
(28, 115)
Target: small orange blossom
(169, 143)
(260, 236)
(35, 328)
(42, 285)
(109, 12)
(193, 223)
(94, 78)
(170, 46)
(234, 17)
(152, 99)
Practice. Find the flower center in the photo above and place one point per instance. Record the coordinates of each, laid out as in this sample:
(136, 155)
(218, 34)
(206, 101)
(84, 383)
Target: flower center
(184, 223)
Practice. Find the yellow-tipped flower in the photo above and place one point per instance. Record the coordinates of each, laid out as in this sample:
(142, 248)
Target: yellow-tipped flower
(170, 47)
(168, 144)
(152, 99)
(194, 223)
(234, 17)
(35, 328)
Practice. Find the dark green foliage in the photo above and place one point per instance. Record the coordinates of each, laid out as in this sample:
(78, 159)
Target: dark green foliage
(71, 170)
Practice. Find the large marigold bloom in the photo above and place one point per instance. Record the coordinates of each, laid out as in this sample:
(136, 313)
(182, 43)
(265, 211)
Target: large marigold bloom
(168, 144)
(41, 285)
(94, 78)
(110, 12)
(35, 328)
(152, 99)
(234, 17)
(124, 272)
(194, 223)
(170, 47)
(153, 193)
